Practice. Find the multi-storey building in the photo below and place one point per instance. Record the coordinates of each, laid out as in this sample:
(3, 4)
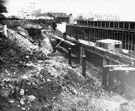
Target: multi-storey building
(96, 30)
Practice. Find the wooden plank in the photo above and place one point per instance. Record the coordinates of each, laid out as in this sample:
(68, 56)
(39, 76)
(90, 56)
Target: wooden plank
(116, 57)
(124, 68)
(124, 65)
(66, 51)
(66, 41)
(27, 37)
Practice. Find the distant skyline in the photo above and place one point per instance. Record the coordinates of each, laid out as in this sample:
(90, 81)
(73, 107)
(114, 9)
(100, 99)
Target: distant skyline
(124, 9)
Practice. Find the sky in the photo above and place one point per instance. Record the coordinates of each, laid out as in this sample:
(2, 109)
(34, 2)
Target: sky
(124, 9)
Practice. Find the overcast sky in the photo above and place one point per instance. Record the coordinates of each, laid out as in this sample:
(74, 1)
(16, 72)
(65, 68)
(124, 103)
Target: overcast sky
(122, 8)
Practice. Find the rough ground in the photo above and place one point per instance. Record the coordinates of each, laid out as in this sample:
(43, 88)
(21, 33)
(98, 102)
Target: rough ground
(50, 84)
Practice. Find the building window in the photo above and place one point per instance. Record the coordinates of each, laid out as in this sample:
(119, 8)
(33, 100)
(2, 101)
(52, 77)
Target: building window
(89, 23)
(132, 25)
(126, 25)
(103, 24)
(117, 46)
(99, 24)
(95, 23)
(111, 24)
(121, 25)
(107, 24)
(116, 24)
(92, 23)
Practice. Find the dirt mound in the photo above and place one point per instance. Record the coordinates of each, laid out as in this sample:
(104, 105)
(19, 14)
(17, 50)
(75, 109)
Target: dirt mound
(49, 84)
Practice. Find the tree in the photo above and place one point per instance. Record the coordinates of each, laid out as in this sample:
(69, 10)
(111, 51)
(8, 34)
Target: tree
(2, 10)
(2, 7)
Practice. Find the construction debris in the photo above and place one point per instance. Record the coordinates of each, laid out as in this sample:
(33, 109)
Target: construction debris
(48, 84)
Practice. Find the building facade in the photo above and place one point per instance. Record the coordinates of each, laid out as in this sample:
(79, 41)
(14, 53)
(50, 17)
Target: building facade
(97, 30)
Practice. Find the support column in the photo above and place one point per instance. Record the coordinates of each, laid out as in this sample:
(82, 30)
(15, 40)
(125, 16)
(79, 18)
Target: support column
(69, 55)
(123, 82)
(54, 49)
(104, 73)
(5, 30)
(110, 75)
(64, 35)
(110, 79)
(104, 77)
(84, 65)
(55, 45)
(81, 53)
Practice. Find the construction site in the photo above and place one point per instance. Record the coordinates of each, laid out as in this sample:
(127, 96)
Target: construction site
(52, 64)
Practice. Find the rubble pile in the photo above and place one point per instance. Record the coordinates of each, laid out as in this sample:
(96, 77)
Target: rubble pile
(28, 46)
(29, 91)
(52, 85)
(22, 42)
(49, 84)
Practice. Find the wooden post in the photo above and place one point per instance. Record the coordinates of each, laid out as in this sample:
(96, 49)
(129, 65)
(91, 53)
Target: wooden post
(5, 30)
(110, 79)
(104, 77)
(83, 63)
(104, 73)
(104, 61)
(81, 53)
(64, 35)
(123, 82)
(110, 76)
(54, 48)
(69, 55)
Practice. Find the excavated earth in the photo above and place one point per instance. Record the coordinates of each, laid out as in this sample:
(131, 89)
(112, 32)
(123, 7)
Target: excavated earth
(48, 83)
